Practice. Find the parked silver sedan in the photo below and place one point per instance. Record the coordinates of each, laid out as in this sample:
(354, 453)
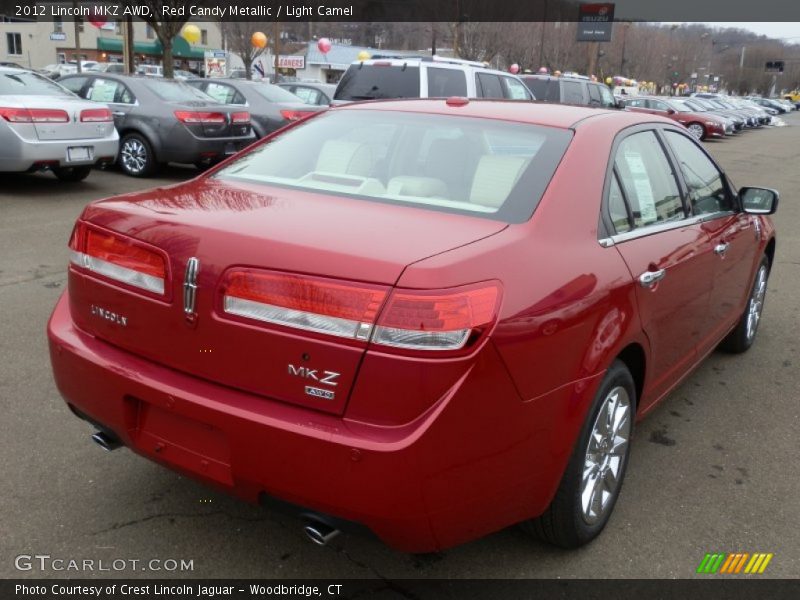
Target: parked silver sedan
(45, 126)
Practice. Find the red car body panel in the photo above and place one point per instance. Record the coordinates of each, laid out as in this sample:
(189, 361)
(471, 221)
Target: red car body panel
(427, 451)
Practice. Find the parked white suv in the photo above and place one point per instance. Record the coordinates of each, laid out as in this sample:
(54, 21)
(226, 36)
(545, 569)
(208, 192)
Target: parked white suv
(426, 77)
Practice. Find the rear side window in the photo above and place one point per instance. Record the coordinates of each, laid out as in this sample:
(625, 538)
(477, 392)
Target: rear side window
(491, 169)
(647, 180)
(108, 90)
(617, 208)
(572, 92)
(175, 91)
(707, 192)
(308, 95)
(489, 86)
(370, 82)
(223, 93)
(443, 83)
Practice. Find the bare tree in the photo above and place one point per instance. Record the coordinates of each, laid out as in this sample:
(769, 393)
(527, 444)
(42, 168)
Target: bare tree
(165, 30)
(238, 34)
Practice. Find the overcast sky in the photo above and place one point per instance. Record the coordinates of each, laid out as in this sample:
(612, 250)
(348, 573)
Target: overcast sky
(774, 30)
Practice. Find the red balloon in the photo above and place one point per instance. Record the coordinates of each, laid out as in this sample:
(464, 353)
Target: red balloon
(98, 21)
(542, 69)
(324, 45)
(513, 69)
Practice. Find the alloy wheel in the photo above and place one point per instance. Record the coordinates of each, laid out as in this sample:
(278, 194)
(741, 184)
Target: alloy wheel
(696, 130)
(133, 155)
(605, 455)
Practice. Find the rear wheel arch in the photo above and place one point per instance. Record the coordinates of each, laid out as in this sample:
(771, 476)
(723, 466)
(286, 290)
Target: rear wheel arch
(149, 136)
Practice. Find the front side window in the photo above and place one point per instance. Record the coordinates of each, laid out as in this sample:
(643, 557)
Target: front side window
(658, 105)
(515, 89)
(444, 83)
(607, 97)
(647, 180)
(707, 192)
(485, 168)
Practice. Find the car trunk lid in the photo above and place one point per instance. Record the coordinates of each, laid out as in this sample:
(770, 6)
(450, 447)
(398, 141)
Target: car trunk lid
(57, 118)
(248, 227)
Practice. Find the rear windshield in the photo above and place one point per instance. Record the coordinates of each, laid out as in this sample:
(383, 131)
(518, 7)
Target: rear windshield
(482, 167)
(369, 82)
(274, 93)
(175, 91)
(24, 83)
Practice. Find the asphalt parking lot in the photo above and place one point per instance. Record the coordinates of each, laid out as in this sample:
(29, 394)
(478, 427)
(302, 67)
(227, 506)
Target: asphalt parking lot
(713, 469)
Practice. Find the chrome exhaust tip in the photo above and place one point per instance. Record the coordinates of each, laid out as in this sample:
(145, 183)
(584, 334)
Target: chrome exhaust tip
(320, 533)
(105, 441)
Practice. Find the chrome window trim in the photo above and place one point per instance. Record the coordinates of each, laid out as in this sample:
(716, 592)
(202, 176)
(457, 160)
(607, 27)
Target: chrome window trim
(620, 238)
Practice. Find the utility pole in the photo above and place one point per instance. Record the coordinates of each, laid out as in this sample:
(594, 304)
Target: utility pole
(541, 39)
(77, 37)
(127, 46)
(276, 46)
(625, 28)
(741, 67)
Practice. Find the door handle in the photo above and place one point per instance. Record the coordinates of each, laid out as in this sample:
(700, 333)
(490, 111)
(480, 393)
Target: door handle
(118, 113)
(649, 278)
(721, 249)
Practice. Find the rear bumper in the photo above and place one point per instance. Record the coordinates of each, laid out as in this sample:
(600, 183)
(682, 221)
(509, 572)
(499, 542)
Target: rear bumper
(18, 154)
(181, 146)
(479, 460)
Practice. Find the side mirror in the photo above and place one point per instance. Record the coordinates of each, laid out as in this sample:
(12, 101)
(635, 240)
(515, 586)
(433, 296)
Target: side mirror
(670, 111)
(758, 201)
(620, 104)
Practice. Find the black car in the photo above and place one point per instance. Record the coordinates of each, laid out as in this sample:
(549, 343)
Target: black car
(570, 90)
(162, 121)
(271, 107)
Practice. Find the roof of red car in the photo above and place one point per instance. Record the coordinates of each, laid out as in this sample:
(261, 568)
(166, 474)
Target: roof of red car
(538, 113)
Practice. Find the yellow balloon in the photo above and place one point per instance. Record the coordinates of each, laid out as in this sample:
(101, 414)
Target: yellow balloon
(191, 33)
(364, 55)
(609, 80)
(259, 40)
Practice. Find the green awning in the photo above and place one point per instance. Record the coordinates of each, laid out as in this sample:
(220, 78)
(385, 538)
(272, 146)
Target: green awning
(180, 48)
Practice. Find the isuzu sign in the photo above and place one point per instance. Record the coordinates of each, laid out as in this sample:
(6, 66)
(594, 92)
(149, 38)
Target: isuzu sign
(595, 22)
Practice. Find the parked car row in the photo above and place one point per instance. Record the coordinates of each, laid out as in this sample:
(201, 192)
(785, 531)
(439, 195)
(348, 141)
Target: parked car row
(141, 122)
(705, 115)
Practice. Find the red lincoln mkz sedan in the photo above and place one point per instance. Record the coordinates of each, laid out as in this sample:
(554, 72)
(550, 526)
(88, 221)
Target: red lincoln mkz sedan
(431, 319)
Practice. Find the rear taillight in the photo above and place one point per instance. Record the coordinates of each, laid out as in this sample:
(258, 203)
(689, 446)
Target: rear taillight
(33, 115)
(96, 115)
(117, 257)
(240, 117)
(411, 319)
(202, 117)
(296, 115)
(309, 303)
(436, 320)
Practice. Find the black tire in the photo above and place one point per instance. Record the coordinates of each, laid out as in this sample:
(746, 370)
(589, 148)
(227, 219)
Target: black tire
(564, 522)
(742, 337)
(136, 157)
(72, 174)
